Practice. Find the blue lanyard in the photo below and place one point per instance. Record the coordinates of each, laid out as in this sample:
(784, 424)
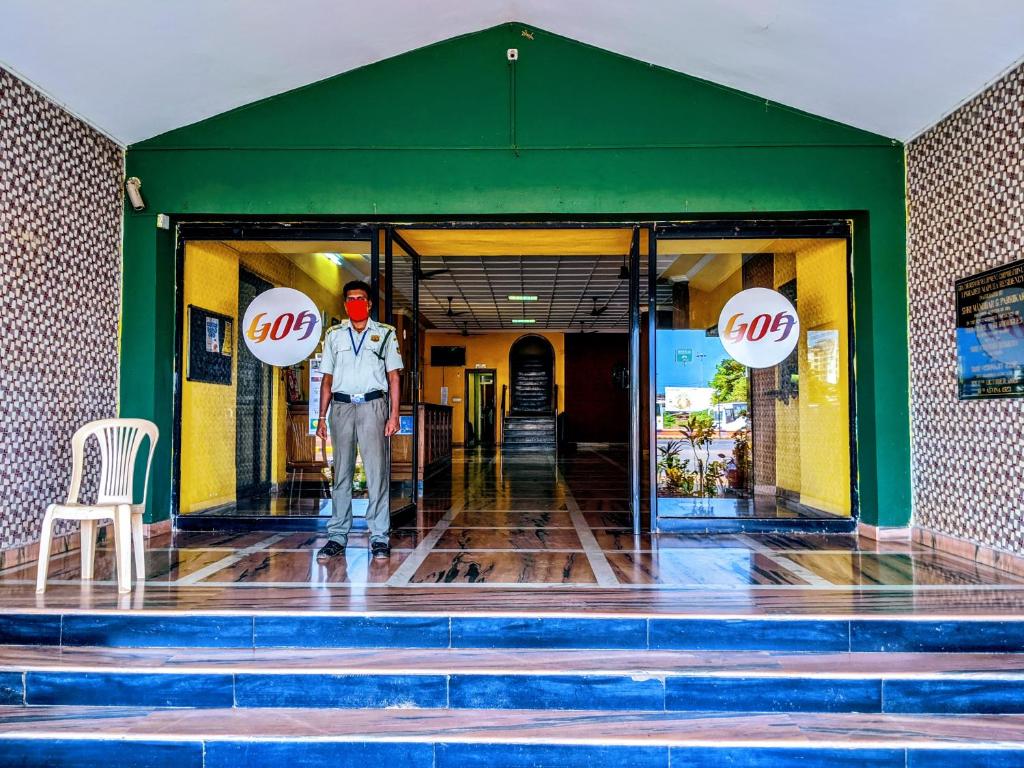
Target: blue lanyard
(359, 346)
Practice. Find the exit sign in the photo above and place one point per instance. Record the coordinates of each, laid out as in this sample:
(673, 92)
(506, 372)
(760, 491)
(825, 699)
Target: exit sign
(684, 356)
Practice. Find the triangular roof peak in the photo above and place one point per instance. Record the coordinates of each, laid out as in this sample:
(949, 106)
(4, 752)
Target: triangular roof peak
(464, 93)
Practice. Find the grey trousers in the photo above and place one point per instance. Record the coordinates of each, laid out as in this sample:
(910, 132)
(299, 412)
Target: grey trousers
(361, 424)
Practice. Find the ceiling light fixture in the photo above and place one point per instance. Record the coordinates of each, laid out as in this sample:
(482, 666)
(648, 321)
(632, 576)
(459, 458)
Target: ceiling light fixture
(523, 321)
(521, 297)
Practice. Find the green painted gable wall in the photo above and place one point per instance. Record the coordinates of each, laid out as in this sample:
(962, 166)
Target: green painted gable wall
(437, 132)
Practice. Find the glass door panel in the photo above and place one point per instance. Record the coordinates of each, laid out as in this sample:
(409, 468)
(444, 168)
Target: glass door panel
(752, 442)
(401, 302)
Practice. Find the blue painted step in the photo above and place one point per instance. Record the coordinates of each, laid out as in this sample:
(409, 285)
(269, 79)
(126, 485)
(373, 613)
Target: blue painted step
(305, 630)
(211, 739)
(552, 680)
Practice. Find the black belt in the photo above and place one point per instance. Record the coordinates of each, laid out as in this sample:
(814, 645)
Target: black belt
(341, 397)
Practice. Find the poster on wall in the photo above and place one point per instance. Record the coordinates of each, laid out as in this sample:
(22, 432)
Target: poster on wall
(990, 333)
(315, 377)
(213, 334)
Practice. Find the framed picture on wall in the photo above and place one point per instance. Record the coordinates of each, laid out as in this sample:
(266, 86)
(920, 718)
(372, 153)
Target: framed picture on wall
(210, 346)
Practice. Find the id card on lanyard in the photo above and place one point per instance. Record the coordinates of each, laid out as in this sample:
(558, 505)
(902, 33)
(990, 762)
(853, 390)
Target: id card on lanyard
(352, 338)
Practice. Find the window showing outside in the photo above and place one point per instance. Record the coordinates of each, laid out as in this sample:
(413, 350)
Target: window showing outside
(753, 402)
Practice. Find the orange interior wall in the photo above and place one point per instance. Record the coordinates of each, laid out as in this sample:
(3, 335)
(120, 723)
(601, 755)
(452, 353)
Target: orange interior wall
(487, 350)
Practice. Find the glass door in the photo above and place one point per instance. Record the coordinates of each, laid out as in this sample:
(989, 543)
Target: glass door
(752, 405)
(400, 288)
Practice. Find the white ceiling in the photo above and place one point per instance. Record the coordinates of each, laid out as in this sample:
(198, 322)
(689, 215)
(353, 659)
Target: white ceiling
(138, 68)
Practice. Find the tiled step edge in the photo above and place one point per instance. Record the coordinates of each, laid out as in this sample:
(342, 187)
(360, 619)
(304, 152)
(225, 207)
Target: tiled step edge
(441, 631)
(687, 693)
(77, 736)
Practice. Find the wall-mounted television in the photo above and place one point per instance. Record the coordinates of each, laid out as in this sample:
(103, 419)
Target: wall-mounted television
(444, 357)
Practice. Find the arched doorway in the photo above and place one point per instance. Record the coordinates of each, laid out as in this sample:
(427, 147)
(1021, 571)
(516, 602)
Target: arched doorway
(532, 366)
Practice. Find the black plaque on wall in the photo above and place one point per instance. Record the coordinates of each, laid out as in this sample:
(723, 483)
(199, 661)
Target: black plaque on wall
(990, 333)
(211, 339)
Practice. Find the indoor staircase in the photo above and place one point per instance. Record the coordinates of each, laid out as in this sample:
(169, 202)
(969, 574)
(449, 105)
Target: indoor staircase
(527, 434)
(531, 386)
(140, 688)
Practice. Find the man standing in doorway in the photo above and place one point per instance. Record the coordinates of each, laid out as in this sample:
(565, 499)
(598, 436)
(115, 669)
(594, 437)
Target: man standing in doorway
(360, 386)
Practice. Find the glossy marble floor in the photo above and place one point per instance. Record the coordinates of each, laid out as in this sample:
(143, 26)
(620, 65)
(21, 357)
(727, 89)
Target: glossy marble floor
(534, 532)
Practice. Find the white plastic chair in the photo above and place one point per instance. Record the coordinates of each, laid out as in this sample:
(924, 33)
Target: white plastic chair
(119, 442)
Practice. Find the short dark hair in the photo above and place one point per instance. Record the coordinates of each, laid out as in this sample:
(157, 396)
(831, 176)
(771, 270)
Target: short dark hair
(356, 285)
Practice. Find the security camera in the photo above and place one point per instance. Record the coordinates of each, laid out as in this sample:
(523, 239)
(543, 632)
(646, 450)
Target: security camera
(132, 187)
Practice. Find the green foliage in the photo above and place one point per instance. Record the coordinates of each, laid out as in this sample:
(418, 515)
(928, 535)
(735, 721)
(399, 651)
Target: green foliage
(674, 470)
(730, 383)
(699, 430)
(669, 455)
(713, 474)
(741, 455)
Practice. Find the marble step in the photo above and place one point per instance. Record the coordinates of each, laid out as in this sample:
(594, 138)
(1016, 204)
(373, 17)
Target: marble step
(501, 679)
(417, 738)
(510, 437)
(280, 628)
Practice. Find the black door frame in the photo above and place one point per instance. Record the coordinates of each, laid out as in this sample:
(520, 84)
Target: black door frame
(840, 229)
(190, 229)
(202, 227)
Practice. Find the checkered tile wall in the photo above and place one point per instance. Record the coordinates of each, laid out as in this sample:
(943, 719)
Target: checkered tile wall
(965, 184)
(60, 225)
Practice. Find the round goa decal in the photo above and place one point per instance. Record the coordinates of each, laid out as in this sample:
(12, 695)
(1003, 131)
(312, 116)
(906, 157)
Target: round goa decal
(759, 327)
(282, 326)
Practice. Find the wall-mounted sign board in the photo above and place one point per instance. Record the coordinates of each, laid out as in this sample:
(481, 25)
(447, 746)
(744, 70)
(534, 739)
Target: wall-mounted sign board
(990, 333)
(210, 346)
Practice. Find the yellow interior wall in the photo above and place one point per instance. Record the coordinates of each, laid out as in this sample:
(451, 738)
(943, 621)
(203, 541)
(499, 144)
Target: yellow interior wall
(706, 306)
(208, 410)
(824, 407)
(813, 431)
(489, 350)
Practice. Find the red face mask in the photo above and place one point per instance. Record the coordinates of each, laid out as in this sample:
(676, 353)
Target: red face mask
(358, 308)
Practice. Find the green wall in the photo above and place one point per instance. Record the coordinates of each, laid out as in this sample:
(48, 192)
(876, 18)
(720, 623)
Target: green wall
(438, 132)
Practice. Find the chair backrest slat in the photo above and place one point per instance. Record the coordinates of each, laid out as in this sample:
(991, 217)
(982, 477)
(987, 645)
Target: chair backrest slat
(119, 441)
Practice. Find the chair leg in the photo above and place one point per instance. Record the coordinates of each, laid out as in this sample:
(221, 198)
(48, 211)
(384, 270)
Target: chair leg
(139, 545)
(45, 535)
(123, 547)
(87, 535)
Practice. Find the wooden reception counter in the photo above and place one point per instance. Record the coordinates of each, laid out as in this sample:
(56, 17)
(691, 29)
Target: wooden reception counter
(435, 441)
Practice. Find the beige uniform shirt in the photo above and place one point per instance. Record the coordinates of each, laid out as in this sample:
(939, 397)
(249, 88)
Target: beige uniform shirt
(366, 371)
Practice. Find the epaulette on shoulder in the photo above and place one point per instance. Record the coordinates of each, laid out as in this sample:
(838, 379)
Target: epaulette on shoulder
(335, 327)
(387, 327)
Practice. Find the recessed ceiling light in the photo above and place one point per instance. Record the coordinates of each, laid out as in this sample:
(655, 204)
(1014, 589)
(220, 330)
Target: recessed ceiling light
(522, 320)
(521, 297)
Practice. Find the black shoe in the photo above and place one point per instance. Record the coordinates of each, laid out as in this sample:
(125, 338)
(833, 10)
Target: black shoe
(329, 550)
(381, 550)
